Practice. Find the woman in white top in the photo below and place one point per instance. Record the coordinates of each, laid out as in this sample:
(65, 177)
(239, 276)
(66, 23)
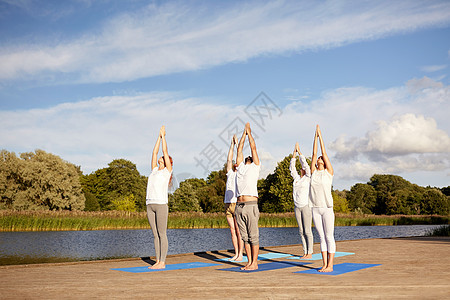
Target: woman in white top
(301, 201)
(230, 204)
(157, 199)
(321, 202)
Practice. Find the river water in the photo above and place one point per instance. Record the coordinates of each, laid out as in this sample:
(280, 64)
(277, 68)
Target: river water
(59, 246)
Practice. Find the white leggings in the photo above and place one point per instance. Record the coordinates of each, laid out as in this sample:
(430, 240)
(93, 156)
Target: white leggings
(324, 221)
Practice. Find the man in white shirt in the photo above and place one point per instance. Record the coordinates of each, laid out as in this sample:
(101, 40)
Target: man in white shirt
(247, 212)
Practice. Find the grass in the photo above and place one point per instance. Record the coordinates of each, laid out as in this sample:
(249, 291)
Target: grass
(80, 220)
(443, 230)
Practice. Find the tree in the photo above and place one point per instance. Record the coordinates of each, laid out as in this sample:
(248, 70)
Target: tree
(435, 202)
(124, 203)
(340, 203)
(275, 192)
(185, 196)
(120, 179)
(390, 199)
(362, 197)
(39, 180)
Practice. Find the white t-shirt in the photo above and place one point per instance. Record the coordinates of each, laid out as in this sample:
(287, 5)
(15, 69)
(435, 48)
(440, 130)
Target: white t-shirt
(158, 186)
(320, 191)
(300, 184)
(230, 191)
(247, 179)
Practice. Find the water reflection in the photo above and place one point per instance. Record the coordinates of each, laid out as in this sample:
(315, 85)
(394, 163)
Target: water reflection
(58, 246)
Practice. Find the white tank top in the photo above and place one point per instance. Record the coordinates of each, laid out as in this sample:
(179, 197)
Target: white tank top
(158, 186)
(230, 190)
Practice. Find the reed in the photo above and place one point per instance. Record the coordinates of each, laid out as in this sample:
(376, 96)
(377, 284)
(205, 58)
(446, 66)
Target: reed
(79, 220)
(443, 230)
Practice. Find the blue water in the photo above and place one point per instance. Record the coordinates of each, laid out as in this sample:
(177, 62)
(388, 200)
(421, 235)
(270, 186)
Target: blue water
(57, 246)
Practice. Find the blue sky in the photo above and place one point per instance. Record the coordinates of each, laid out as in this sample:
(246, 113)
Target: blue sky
(92, 81)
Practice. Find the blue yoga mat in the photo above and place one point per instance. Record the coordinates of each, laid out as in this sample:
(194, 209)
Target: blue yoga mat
(318, 256)
(269, 266)
(340, 269)
(264, 256)
(181, 266)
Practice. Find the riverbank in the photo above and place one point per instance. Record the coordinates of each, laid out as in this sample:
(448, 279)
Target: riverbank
(405, 269)
(80, 220)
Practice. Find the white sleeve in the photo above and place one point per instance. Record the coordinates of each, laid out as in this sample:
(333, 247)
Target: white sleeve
(293, 169)
(305, 166)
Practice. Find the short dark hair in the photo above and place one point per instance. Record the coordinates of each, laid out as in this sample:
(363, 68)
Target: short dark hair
(248, 158)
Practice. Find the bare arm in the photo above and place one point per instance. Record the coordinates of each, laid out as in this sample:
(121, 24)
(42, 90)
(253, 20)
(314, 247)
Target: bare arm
(292, 167)
(155, 152)
(230, 154)
(326, 160)
(303, 161)
(252, 145)
(314, 155)
(164, 149)
(240, 155)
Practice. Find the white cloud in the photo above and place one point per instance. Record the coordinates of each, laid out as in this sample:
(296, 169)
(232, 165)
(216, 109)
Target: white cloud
(399, 131)
(174, 37)
(433, 68)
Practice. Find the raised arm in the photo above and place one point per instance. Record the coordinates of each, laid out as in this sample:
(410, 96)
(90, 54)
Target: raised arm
(167, 162)
(230, 154)
(155, 152)
(303, 161)
(240, 155)
(314, 154)
(252, 145)
(292, 167)
(326, 160)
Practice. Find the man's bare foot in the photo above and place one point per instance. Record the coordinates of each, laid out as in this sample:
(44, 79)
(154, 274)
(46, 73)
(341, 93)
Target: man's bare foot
(245, 267)
(306, 256)
(323, 268)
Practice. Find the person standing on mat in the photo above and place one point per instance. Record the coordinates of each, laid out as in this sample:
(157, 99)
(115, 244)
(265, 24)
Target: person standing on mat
(157, 199)
(230, 204)
(301, 201)
(247, 212)
(321, 202)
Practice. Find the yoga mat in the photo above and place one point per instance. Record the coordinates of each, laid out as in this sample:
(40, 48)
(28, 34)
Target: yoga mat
(318, 256)
(181, 266)
(264, 256)
(269, 266)
(340, 269)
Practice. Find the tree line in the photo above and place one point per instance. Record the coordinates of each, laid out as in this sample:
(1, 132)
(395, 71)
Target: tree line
(41, 180)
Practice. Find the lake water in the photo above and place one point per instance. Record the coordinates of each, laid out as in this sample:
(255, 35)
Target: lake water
(59, 246)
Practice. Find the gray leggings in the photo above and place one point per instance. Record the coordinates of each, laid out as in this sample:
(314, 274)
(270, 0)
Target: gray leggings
(304, 220)
(157, 215)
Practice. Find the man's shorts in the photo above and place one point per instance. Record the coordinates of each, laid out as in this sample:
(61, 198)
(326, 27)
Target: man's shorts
(230, 208)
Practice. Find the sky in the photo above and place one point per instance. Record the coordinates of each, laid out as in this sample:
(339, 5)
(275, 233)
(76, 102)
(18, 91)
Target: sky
(93, 81)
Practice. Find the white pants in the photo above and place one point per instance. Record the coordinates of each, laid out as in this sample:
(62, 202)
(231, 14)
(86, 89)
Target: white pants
(324, 221)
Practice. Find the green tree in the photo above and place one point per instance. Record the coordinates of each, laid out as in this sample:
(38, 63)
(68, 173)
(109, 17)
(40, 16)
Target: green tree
(362, 197)
(211, 196)
(340, 203)
(185, 197)
(124, 203)
(39, 180)
(120, 179)
(435, 202)
(275, 191)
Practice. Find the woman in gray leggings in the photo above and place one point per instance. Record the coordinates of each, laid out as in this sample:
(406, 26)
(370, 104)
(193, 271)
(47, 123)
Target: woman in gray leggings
(157, 199)
(301, 201)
